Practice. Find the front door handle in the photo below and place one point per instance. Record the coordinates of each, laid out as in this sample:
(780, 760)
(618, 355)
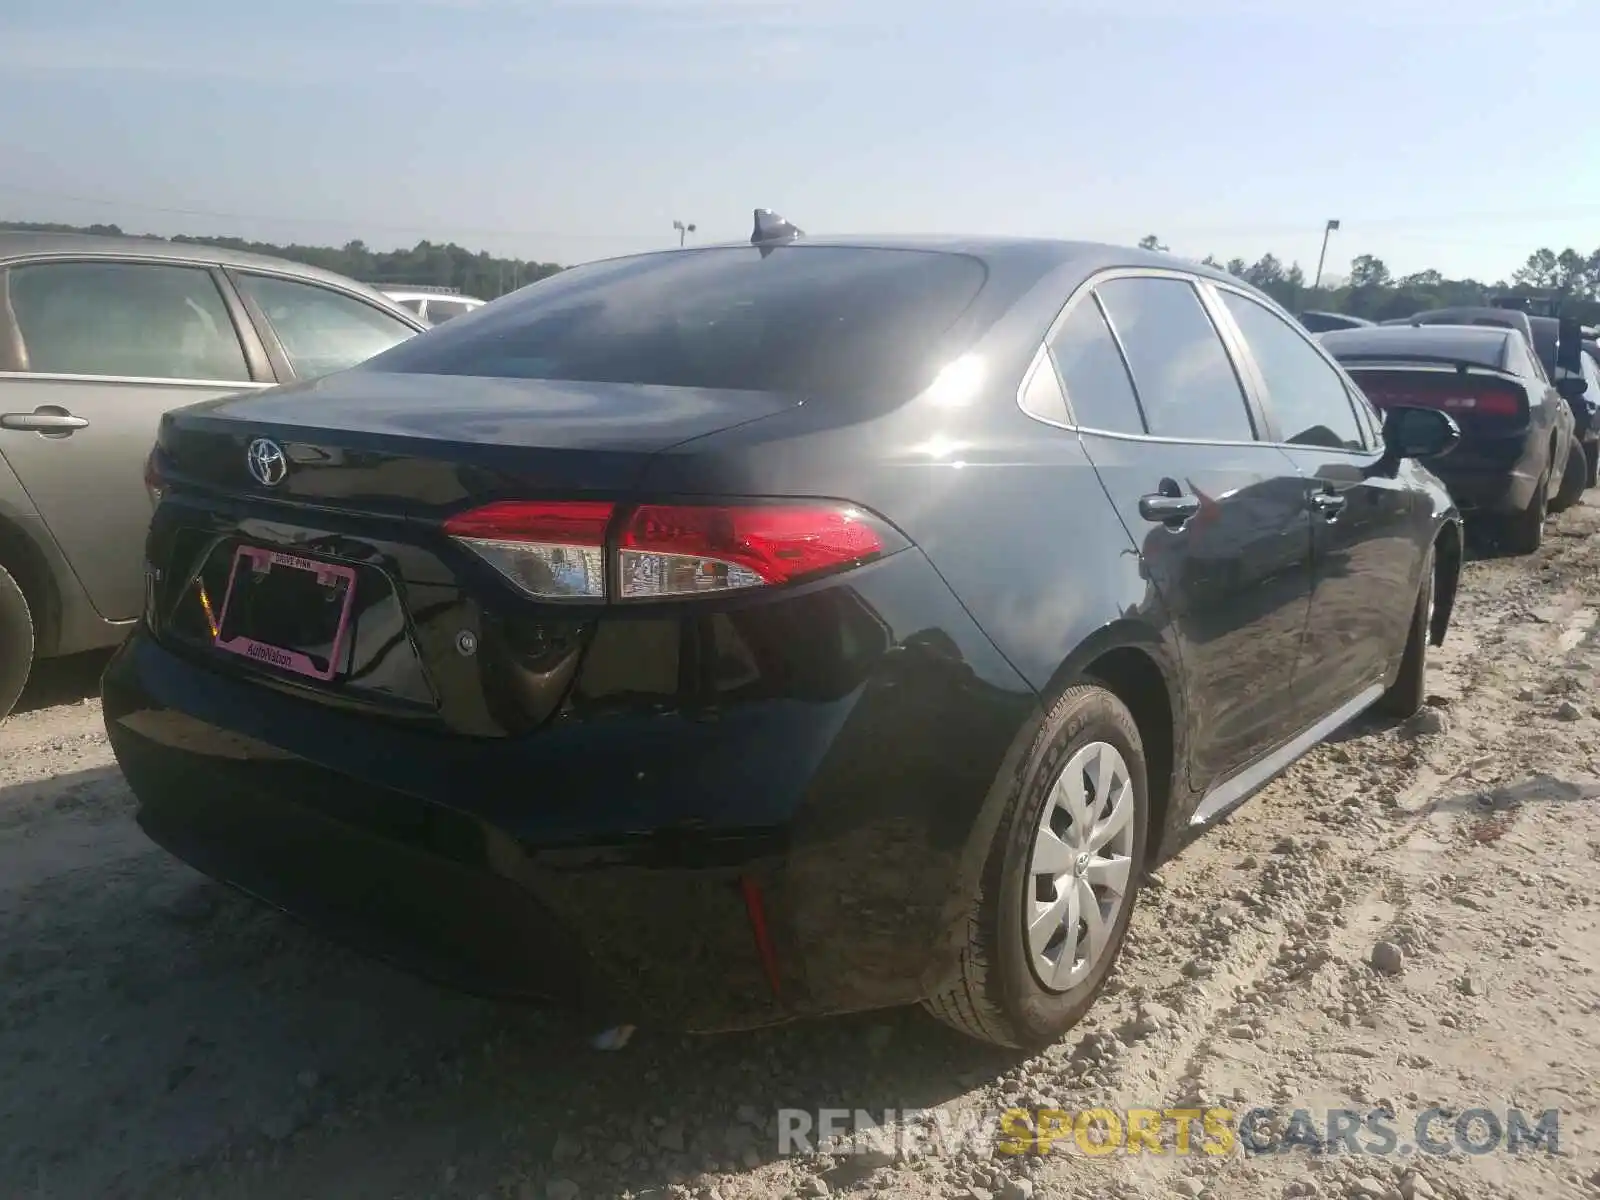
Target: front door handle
(1328, 504)
(1166, 509)
(48, 420)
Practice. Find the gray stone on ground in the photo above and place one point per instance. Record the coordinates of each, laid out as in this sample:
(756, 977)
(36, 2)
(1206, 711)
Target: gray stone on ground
(1388, 958)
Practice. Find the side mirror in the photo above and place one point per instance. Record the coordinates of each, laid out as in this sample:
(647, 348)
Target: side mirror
(1419, 433)
(1572, 387)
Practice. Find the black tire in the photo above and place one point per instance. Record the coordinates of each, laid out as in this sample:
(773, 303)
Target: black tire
(16, 642)
(1591, 456)
(1409, 689)
(998, 998)
(1573, 479)
(1524, 533)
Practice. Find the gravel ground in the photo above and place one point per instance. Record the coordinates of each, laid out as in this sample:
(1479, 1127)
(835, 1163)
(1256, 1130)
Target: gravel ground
(1406, 921)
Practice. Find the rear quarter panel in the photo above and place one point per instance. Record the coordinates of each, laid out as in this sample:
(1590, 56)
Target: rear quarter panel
(64, 621)
(1009, 511)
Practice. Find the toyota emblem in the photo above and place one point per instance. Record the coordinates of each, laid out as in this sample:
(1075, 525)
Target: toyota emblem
(267, 462)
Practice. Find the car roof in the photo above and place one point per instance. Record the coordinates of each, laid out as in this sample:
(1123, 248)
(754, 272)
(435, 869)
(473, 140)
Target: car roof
(28, 243)
(1038, 252)
(1484, 344)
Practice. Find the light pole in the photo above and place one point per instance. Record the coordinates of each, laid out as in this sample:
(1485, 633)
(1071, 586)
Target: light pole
(1323, 257)
(683, 230)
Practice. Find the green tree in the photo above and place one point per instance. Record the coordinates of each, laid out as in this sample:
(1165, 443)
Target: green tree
(1540, 271)
(1420, 281)
(1265, 271)
(1367, 271)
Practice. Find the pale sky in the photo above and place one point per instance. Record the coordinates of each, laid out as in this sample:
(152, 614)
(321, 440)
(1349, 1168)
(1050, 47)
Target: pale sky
(1455, 134)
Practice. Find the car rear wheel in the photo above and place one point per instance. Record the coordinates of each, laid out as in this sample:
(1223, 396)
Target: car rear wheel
(1409, 690)
(1061, 879)
(1524, 533)
(16, 642)
(1573, 480)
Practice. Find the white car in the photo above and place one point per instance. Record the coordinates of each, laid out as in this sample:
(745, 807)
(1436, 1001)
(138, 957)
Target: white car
(433, 307)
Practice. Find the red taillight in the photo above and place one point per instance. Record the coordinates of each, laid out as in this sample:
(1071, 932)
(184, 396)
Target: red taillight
(570, 523)
(684, 550)
(557, 550)
(551, 550)
(1452, 394)
(1493, 402)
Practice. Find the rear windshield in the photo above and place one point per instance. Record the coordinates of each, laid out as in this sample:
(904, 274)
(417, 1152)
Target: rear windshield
(440, 311)
(801, 319)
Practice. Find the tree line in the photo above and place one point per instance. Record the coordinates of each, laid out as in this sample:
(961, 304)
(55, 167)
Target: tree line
(1374, 292)
(428, 264)
(1370, 290)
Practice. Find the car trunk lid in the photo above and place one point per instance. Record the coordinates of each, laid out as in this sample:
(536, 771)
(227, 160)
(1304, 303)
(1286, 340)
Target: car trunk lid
(423, 445)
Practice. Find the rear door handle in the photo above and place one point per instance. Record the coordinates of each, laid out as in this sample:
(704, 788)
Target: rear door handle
(44, 420)
(1329, 504)
(1167, 510)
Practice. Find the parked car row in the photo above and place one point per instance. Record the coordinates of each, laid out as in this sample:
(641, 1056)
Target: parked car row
(1519, 386)
(732, 634)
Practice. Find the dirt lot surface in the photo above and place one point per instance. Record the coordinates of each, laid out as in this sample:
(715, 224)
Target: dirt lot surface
(1405, 922)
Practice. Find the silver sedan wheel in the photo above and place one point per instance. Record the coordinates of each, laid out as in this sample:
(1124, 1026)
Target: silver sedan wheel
(1081, 866)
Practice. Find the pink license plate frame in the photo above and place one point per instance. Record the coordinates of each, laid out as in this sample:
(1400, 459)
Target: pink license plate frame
(279, 656)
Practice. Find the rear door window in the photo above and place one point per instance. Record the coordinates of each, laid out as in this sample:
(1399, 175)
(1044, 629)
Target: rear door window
(1369, 417)
(1307, 395)
(1093, 373)
(125, 320)
(812, 320)
(1042, 395)
(1185, 380)
(321, 330)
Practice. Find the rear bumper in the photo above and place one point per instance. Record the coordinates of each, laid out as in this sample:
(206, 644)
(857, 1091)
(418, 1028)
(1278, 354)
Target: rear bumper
(610, 860)
(1495, 480)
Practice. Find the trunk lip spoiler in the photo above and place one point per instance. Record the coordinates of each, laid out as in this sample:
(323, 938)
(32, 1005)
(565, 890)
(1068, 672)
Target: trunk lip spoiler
(1436, 363)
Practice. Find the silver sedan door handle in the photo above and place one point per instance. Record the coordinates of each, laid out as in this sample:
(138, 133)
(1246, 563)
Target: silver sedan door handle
(47, 420)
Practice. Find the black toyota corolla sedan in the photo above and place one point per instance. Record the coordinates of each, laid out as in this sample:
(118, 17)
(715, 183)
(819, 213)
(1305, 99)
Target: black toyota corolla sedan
(732, 634)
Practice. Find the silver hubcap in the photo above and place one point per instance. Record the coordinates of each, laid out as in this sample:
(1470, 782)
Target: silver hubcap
(1079, 872)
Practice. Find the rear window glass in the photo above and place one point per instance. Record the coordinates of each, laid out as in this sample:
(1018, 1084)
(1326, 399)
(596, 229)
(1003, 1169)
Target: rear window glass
(440, 311)
(811, 320)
